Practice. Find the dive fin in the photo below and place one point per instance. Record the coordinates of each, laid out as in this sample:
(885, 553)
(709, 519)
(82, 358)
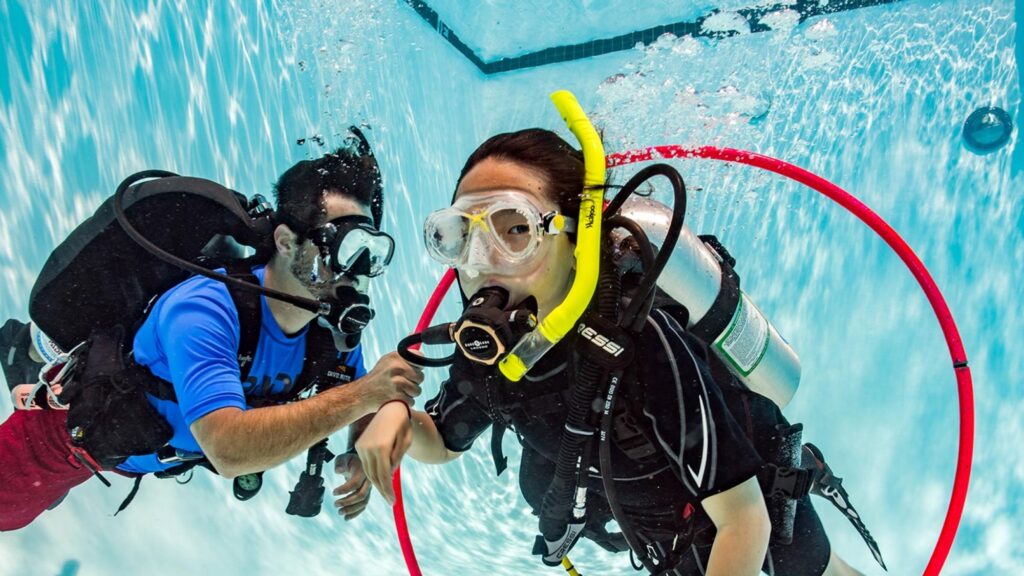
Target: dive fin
(830, 487)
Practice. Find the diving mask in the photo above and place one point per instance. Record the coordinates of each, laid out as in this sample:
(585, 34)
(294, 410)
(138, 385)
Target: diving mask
(496, 232)
(350, 246)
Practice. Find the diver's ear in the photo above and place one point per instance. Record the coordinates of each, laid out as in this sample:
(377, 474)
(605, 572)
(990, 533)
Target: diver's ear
(285, 240)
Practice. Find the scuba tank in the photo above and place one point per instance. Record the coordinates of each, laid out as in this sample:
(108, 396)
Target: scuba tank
(78, 290)
(701, 278)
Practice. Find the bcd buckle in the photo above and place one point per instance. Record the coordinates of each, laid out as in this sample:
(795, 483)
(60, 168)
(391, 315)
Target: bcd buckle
(787, 481)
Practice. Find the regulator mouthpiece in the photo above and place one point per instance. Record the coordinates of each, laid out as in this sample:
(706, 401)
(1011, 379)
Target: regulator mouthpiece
(347, 315)
(484, 334)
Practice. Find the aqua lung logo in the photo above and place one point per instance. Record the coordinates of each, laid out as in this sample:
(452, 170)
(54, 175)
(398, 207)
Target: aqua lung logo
(603, 342)
(477, 345)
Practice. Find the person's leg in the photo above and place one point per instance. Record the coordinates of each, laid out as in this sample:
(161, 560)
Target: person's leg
(837, 567)
(809, 554)
(36, 467)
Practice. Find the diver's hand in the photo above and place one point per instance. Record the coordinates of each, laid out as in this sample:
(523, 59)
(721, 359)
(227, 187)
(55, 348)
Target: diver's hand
(391, 379)
(354, 494)
(382, 445)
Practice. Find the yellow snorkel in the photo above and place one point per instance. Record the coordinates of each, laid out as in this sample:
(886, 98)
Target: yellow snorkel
(588, 247)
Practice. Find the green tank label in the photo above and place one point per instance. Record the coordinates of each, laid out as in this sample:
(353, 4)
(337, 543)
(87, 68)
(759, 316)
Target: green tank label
(745, 340)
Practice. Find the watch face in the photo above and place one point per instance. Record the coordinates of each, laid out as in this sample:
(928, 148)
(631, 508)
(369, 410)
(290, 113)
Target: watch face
(249, 482)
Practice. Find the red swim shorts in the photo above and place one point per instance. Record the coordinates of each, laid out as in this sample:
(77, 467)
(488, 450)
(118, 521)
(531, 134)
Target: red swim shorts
(37, 467)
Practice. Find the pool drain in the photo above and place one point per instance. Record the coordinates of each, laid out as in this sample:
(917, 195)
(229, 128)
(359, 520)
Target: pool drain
(987, 129)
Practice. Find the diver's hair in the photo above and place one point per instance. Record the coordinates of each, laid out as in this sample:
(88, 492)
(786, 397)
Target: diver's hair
(351, 171)
(543, 151)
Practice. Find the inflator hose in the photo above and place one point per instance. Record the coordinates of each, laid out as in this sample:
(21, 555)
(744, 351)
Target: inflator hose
(556, 508)
(965, 388)
(140, 239)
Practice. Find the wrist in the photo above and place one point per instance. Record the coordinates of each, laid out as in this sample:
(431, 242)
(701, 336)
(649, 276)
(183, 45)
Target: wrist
(408, 410)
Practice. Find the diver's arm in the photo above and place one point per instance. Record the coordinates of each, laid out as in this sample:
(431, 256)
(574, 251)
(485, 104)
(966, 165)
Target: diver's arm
(427, 445)
(356, 429)
(393, 431)
(743, 526)
(240, 442)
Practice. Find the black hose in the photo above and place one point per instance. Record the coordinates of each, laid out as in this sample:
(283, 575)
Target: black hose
(632, 320)
(129, 229)
(647, 256)
(411, 340)
(579, 430)
(607, 478)
(650, 278)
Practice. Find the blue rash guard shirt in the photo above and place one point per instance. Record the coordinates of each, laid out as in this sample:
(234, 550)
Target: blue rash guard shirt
(191, 339)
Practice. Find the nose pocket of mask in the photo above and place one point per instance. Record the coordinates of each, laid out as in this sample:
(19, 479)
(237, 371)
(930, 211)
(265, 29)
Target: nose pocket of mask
(478, 251)
(360, 263)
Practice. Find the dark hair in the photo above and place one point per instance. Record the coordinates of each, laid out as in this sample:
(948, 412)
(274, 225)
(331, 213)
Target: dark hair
(351, 171)
(543, 151)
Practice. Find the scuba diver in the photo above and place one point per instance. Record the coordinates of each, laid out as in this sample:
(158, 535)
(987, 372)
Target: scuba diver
(238, 368)
(702, 474)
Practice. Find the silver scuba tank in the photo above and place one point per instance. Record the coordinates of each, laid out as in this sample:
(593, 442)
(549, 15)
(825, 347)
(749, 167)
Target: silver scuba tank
(720, 313)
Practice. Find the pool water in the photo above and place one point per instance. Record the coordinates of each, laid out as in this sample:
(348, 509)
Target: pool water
(873, 99)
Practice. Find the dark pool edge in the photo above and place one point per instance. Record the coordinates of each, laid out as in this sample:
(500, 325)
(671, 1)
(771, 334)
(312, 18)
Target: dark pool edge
(569, 52)
(1017, 158)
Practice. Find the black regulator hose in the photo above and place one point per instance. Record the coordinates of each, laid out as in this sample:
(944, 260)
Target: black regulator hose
(647, 256)
(439, 334)
(632, 319)
(650, 278)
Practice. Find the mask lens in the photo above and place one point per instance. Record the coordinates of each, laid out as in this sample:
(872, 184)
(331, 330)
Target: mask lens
(380, 249)
(496, 232)
(362, 252)
(514, 230)
(445, 235)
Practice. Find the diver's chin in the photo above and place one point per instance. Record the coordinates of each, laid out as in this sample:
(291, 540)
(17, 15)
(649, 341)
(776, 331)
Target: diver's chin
(471, 286)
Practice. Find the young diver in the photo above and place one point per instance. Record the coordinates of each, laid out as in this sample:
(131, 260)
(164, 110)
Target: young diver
(687, 446)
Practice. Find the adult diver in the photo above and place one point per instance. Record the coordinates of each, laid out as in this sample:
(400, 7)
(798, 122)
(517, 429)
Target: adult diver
(236, 365)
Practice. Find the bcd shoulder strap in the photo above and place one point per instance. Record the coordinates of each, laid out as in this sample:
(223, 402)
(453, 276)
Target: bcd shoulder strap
(717, 319)
(250, 315)
(250, 320)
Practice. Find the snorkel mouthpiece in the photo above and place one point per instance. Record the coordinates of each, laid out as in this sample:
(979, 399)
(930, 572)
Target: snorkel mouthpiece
(560, 321)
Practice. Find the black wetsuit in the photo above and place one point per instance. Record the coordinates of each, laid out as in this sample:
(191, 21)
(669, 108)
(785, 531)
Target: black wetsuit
(701, 439)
